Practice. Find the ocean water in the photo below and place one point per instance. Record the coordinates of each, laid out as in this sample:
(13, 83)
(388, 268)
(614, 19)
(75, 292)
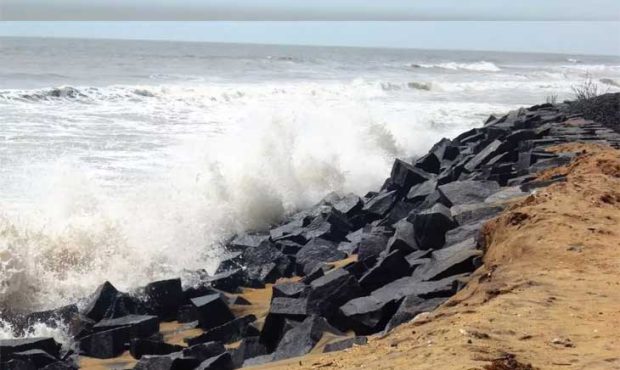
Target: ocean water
(131, 161)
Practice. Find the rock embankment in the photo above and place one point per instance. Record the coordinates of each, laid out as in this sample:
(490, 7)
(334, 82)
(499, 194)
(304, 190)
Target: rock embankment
(347, 268)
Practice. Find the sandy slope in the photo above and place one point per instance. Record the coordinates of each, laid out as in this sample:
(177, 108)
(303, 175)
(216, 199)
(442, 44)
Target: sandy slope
(548, 293)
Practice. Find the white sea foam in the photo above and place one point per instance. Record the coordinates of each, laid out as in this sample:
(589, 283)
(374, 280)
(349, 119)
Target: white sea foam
(225, 159)
(481, 66)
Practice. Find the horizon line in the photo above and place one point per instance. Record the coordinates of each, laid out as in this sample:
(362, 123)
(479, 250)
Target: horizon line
(299, 45)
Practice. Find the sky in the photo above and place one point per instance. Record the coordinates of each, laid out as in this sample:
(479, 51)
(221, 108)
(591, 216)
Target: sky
(555, 26)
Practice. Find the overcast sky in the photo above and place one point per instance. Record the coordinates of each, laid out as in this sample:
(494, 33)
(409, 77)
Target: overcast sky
(573, 10)
(559, 26)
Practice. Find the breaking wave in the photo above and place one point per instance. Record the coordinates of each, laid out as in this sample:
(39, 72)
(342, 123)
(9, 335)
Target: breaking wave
(253, 154)
(481, 66)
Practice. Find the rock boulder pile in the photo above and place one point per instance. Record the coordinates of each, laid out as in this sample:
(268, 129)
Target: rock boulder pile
(407, 248)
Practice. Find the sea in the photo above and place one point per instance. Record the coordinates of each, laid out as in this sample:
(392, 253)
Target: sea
(132, 161)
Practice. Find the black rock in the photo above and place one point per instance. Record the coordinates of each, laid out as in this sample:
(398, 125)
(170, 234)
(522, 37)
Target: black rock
(430, 226)
(166, 362)
(140, 347)
(371, 246)
(136, 326)
(359, 268)
(410, 307)
(164, 297)
(37, 357)
(301, 339)
(505, 194)
(17, 365)
(464, 232)
(405, 286)
(187, 313)
(405, 175)
(65, 314)
(219, 362)
(429, 163)
(272, 331)
(390, 268)
(105, 344)
(452, 260)
(212, 311)
(100, 301)
(349, 205)
(248, 348)
(331, 291)
(265, 263)
(244, 241)
(58, 365)
(123, 305)
(289, 290)
(204, 351)
(289, 306)
(468, 213)
(229, 332)
(381, 204)
(316, 272)
(315, 251)
(258, 360)
(465, 192)
(288, 247)
(345, 343)
(368, 315)
(491, 150)
(290, 231)
(229, 281)
(231, 261)
(403, 238)
(330, 224)
(420, 191)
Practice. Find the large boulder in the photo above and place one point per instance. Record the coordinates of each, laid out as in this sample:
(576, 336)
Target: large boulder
(468, 191)
(368, 315)
(419, 192)
(164, 297)
(405, 175)
(388, 269)
(452, 260)
(331, 291)
(100, 301)
(371, 246)
(403, 238)
(243, 241)
(315, 251)
(166, 362)
(431, 225)
(345, 343)
(410, 307)
(301, 339)
(381, 204)
(105, 344)
(136, 326)
(468, 213)
(248, 348)
(228, 332)
(409, 285)
(204, 351)
(220, 362)
(212, 311)
(10, 346)
(140, 347)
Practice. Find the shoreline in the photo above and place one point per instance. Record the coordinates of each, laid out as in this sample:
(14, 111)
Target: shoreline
(407, 249)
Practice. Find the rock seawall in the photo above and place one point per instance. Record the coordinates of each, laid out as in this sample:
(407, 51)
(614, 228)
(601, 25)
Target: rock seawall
(349, 267)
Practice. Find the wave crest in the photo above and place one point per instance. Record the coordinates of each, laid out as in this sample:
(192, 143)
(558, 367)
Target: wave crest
(481, 66)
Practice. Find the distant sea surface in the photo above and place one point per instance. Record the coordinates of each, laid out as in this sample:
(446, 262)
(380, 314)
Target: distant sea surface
(131, 161)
